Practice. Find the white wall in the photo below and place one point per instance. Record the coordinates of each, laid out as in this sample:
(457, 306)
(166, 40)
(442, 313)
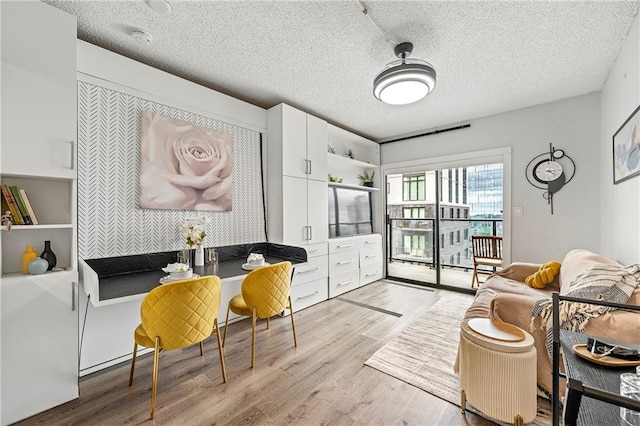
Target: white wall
(620, 204)
(571, 124)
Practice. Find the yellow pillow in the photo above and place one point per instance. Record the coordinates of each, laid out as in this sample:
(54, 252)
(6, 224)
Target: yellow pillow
(544, 275)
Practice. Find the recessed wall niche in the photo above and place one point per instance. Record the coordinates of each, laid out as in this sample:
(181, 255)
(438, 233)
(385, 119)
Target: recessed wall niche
(110, 221)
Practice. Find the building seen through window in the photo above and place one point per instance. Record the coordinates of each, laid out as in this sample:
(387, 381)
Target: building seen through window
(469, 202)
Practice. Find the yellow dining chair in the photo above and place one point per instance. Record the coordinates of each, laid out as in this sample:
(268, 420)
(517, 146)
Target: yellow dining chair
(176, 315)
(487, 251)
(265, 293)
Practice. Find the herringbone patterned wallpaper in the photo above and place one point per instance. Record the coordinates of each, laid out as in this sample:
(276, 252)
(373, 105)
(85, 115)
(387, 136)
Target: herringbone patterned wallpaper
(110, 221)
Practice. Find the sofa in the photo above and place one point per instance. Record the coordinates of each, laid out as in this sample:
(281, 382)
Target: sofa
(504, 296)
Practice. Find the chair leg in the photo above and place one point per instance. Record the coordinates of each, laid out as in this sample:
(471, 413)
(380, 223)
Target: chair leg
(201, 349)
(268, 322)
(220, 352)
(253, 335)
(226, 325)
(154, 377)
(293, 323)
(475, 278)
(133, 362)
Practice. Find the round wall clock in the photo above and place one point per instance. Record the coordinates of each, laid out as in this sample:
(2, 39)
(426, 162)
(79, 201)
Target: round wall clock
(550, 171)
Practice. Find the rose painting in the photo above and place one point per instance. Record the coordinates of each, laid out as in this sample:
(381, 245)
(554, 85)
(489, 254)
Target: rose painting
(184, 166)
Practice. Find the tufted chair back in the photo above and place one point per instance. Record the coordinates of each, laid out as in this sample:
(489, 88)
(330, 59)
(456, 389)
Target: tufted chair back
(267, 288)
(181, 313)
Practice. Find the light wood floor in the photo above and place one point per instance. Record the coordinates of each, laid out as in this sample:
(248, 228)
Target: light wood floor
(322, 381)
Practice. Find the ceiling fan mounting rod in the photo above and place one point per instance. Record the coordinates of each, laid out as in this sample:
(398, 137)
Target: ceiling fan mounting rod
(365, 11)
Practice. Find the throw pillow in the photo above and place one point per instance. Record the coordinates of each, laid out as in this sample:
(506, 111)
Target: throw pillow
(545, 275)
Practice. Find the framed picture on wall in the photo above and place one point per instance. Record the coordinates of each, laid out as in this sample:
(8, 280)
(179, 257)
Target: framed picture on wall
(626, 149)
(184, 166)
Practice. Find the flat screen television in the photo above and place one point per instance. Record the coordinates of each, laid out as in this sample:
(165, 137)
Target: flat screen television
(349, 212)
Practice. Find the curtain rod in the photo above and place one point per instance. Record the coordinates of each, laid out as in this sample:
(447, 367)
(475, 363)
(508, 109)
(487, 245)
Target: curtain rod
(435, 132)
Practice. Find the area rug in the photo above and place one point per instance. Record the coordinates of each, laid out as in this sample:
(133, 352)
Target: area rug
(423, 354)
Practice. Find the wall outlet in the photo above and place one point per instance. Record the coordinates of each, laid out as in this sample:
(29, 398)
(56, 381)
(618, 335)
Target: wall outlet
(518, 211)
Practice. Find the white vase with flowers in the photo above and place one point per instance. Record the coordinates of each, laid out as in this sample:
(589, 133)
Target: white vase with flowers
(193, 231)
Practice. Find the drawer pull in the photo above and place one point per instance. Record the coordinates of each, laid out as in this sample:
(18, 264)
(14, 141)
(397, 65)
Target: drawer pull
(344, 246)
(344, 283)
(369, 256)
(370, 242)
(312, 251)
(307, 272)
(371, 275)
(344, 262)
(308, 295)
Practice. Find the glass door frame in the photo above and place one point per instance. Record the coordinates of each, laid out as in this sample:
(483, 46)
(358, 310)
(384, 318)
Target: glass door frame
(498, 155)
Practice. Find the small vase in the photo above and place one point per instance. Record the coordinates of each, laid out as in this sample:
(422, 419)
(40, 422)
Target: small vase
(28, 255)
(38, 266)
(49, 255)
(199, 258)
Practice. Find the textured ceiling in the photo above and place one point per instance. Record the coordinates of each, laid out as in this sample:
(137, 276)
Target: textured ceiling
(322, 56)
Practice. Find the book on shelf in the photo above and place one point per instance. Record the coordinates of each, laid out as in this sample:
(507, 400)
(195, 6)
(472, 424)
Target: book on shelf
(27, 204)
(23, 210)
(11, 204)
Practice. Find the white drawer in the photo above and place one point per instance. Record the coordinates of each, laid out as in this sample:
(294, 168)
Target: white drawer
(342, 283)
(319, 249)
(314, 269)
(308, 294)
(370, 273)
(343, 244)
(343, 262)
(370, 256)
(373, 240)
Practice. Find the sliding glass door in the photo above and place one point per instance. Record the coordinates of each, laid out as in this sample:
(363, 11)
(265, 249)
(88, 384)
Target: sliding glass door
(431, 216)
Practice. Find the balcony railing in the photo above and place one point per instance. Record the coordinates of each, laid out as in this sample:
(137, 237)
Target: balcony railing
(413, 240)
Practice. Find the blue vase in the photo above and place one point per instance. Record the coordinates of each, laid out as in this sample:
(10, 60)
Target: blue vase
(38, 266)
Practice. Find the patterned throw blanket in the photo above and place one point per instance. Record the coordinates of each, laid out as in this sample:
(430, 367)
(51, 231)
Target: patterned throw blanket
(607, 283)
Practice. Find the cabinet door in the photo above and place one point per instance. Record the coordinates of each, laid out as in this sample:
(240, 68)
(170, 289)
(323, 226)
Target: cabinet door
(39, 343)
(294, 211)
(294, 142)
(38, 90)
(317, 148)
(318, 213)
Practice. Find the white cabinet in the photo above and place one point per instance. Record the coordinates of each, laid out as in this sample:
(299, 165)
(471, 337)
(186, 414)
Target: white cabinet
(297, 211)
(39, 343)
(309, 281)
(38, 90)
(39, 312)
(354, 262)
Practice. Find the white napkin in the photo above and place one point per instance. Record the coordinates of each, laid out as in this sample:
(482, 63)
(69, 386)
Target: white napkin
(255, 256)
(176, 267)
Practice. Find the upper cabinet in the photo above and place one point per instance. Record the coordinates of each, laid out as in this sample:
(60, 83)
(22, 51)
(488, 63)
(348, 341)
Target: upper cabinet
(303, 138)
(352, 155)
(297, 208)
(38, 90)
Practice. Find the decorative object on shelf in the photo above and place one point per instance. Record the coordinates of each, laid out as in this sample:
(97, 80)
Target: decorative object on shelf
(7, 220)
(193, 231)
(28, 255)
(367, 179)
(404, 81)
(330, 148)
(350, 154)
(184, 166)
(211, 256)
(38, 266)
(49, 255)
(334, 179)
(626, 149)
(550, 171)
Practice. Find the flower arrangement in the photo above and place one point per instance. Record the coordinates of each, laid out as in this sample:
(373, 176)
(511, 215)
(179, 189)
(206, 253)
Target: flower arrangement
(193, 231)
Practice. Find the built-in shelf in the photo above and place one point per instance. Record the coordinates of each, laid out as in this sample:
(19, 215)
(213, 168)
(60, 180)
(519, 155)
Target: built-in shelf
(350, 161)
(17, 276)
(346, 185)
(38, 227)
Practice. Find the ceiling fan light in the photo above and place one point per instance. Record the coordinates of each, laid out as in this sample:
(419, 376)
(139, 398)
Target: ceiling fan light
(404, 81)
